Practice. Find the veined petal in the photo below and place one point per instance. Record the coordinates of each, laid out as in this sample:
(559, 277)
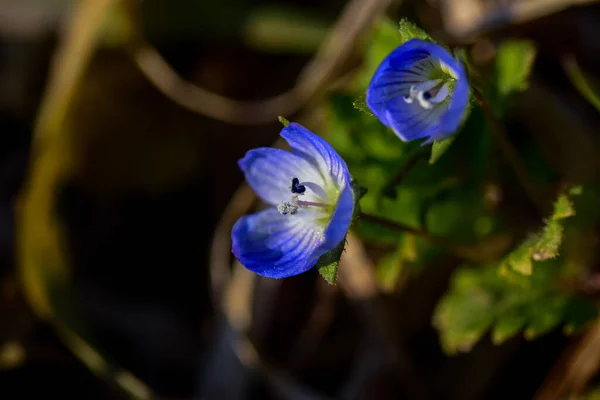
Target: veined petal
(394, 78)
(268, 172)
(340, 220)
(276, 245)
(411, 121)
(320, 154)
(458, 103)
(409, 71)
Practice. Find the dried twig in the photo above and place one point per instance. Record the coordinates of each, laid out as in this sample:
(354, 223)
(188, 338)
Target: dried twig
(465, 20)
(574, 368)
(314, 81)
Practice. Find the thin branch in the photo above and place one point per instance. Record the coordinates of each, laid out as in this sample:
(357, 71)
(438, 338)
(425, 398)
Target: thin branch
(490, 249)
(389, 189)
(510, 153)
(400, 227)
(314, 81)
(574, 369)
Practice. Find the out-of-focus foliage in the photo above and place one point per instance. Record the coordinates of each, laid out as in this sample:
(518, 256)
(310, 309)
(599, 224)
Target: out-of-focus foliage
(592, 394)
(481, 299)
(448, 192)
(514, 60)
(443, 204)
(542, 245)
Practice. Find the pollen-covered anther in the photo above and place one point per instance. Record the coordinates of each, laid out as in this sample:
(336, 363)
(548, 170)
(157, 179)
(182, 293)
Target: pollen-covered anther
(290, 207)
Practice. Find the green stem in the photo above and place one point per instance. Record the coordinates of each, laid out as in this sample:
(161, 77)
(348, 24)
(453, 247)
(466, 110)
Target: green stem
(580, 81)
(490, 249)
(389, 189)
(510, 153)
(398, 226)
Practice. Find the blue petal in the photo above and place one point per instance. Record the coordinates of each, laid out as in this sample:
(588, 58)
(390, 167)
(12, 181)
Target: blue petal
(279, 246)
(394, 77)
(318, 152)
(268, 172)
(275, 245)
(411, 121)
(458, 104)
(340, 220)
(460, 97)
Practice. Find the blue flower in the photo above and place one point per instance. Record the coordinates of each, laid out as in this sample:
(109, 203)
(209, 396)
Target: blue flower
(419, 91)
(311, 202)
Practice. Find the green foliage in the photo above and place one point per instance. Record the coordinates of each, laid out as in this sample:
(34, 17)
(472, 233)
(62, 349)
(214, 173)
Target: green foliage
(443, 193)
(542, 245)
(514, 61)
(385, 37)
(328, 263)
(409, 30)
(361, 105)
(480, 300)
(439, 147)
(390, 268)
(283, 121)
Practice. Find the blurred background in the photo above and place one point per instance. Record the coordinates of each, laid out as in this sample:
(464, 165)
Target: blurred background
(121, 125)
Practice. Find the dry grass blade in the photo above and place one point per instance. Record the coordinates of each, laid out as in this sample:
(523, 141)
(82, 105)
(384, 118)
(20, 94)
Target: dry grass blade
(44, 268)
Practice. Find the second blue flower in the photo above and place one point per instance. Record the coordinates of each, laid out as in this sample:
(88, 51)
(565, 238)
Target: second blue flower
(419, 91)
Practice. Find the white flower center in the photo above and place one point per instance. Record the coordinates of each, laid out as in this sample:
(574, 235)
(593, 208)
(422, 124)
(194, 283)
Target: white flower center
(298, 189)
(428, 93)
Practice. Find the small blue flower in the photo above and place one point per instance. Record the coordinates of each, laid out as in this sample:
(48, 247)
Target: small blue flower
(312, 204)
(419, 91)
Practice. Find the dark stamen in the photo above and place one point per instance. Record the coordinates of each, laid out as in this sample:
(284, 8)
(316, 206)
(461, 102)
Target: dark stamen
(297, 187)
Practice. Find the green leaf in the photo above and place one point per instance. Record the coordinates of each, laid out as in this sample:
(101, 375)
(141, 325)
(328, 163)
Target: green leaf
(513, 63)
(360, 104)
(507, 327)
(547, 317)
(479, 299)
(514, 60)
(440, 147)
(409, 30)
(576, 190)
(382, 40)
(390, 267)
(462, 317)
(329, 272)
(543, 245)
(563, 208)
(283, 121)
(328, 263)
